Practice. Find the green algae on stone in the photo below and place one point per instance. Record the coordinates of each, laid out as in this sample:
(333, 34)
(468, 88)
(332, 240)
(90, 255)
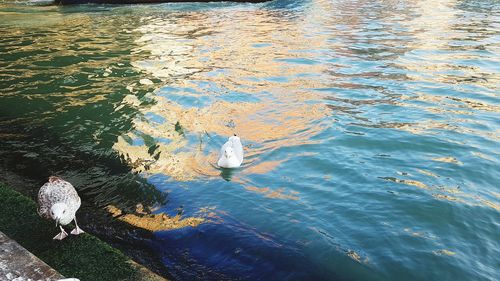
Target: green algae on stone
(84, 256)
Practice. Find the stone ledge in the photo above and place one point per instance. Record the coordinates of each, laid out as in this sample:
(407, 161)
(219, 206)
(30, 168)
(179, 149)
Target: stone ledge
(17, 263)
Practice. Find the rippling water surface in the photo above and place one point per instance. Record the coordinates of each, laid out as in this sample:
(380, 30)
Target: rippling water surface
(371, 129)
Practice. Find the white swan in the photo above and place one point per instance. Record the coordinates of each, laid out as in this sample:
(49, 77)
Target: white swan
(231, 153)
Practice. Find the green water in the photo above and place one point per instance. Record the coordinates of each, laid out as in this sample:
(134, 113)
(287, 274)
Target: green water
(371, 130)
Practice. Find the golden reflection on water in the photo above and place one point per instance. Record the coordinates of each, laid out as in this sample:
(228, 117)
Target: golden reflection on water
(407, 182)
(452, 194)
(448, 159)
(443, 252)
(425, 172)
(280, 193)
(415, 233)
(431, 59)
(154, 222)
(496, 194)
(256, 53)
(68, 62)
(183, 52)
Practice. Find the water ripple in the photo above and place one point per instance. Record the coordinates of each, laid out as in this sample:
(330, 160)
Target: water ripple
(370, 128)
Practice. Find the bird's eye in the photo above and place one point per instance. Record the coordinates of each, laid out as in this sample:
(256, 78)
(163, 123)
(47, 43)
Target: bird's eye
(64, 212)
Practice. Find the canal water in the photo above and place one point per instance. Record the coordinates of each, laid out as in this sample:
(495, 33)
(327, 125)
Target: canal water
(370, 128)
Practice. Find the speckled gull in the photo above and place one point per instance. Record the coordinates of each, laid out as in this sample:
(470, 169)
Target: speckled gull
(59, 201)
(231, 153)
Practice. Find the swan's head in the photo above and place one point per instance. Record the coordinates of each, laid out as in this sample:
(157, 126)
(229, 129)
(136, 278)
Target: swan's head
(228, 152)
(60, 213)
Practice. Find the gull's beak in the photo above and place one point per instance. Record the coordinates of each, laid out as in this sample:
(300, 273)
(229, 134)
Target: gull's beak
(57, 222)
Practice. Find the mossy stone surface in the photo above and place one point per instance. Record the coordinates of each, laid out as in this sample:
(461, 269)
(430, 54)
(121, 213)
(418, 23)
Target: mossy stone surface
(84, 256)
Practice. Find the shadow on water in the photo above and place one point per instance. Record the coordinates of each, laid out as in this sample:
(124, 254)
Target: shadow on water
(252, 256)
(37, 153)
(63, 115)
(226, 174)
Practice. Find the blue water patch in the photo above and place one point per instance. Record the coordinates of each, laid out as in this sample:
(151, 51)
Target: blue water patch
(138, 142)
(234, 96)
(155, 117)
(217, 72)
(175, 94)
(165, 90)
(163, 140)
(279, 79)
(261, 45)
(305, 61)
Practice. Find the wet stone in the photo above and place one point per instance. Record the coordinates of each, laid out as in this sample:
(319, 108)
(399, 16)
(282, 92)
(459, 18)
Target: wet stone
(16, 263)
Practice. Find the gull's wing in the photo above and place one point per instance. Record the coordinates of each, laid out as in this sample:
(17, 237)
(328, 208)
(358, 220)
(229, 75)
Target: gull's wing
(57, 190)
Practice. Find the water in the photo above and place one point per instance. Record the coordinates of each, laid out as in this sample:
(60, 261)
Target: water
(371, 130)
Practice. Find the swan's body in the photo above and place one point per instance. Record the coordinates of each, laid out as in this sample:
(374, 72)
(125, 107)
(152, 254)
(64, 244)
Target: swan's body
(59, 201)
(231, 153)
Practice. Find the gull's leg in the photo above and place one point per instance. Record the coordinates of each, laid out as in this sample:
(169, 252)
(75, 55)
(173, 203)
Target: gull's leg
(77, 230)
(61, 235)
